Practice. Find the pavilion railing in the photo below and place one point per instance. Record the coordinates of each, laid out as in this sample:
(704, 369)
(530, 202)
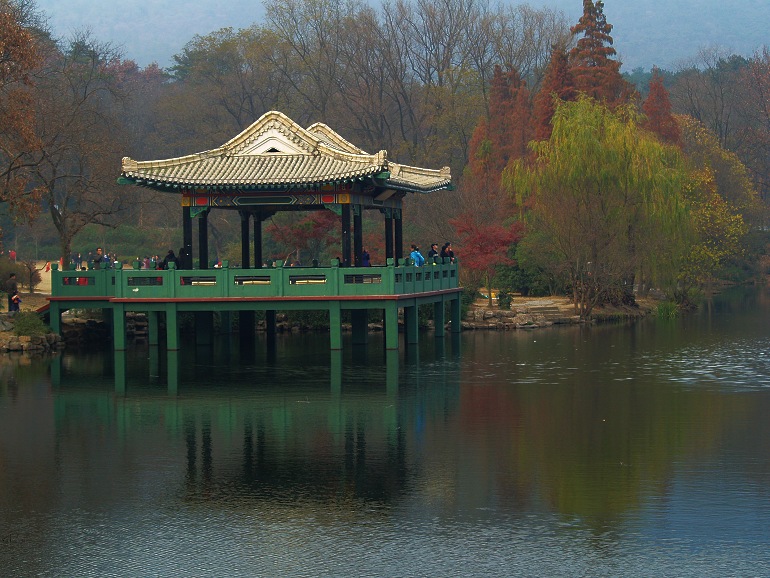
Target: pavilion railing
(279, 281)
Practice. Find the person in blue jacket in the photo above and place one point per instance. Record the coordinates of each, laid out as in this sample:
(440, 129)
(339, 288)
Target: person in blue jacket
(416, 256)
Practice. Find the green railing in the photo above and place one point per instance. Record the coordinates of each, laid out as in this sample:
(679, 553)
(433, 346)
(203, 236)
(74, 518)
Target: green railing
(333, 281)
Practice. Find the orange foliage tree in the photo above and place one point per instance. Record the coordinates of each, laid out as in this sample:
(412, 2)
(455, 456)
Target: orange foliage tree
(557, 84)
(657, 109)
(594, 69)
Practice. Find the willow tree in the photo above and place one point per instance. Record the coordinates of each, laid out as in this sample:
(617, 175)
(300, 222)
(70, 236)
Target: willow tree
(606, 200)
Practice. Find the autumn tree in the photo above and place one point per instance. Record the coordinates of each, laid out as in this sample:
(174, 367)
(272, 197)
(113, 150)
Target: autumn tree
(754, 111)
(19, 56)
(78, 105)
(594, 69)
(485, 247)
(717, 235)
(731, 180)
(658, 112)
(601, 190)
(558, 85)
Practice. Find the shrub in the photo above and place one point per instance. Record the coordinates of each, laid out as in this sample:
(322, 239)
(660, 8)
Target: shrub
(29, 323)
(504, 299)
(667, 310)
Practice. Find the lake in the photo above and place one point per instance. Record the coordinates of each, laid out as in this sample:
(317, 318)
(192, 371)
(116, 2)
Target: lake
(603, 450)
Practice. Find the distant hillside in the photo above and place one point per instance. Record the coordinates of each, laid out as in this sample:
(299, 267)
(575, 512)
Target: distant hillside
(646, 32)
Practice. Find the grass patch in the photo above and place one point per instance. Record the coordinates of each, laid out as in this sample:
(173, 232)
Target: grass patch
(667, 310)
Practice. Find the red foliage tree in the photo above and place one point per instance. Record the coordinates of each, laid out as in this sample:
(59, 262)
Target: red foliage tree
(557, 83)
(505, 135)
(595, 71)
(657, 108)
(483, 246)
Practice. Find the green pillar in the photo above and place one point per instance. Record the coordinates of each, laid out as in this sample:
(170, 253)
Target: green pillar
(391, 325)
(438, 318)
(335, 325)
(152, 327)
(172, 328)
(118, 327)
(455, 314)
(54, 317)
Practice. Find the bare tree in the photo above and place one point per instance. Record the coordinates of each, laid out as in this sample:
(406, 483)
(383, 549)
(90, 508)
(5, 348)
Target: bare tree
(79, 105)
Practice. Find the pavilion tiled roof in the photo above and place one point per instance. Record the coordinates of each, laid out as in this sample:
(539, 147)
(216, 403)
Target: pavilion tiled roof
(276, 152)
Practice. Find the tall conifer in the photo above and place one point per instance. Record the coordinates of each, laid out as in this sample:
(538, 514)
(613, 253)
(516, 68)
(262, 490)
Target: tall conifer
(592, 63)
(657, 109)
(557, 83)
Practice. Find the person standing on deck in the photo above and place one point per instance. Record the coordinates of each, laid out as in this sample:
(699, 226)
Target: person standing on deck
(416, 256)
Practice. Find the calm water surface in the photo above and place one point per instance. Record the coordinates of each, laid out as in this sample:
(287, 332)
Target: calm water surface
(611, 450)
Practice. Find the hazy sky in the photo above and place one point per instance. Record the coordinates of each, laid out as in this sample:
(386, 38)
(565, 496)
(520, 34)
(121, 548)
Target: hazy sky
(646, 32)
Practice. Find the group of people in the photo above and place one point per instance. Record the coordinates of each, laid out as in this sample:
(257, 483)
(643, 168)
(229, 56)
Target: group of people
(433, 255)
(102, 260)
(155, 262)
(99, 260)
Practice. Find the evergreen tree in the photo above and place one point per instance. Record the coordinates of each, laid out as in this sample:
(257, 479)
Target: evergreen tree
(592, 63)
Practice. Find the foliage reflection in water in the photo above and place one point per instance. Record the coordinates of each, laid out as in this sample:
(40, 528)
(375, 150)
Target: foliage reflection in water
(611, 449)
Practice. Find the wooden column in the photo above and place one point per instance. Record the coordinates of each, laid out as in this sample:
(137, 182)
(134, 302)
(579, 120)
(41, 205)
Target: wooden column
(345, 236)
(186, 236)
(388, 233)
(358, 235)
(258, 257)
(399, 248)
(245, 216)
(203, 240)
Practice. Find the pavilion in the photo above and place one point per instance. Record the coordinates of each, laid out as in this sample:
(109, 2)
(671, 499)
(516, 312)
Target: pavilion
(275, 165)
